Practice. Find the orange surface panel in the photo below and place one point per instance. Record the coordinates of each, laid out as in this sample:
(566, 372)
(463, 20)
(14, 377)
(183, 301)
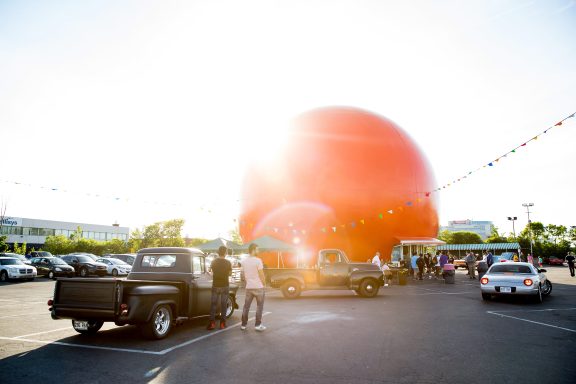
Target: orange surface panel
(346, 178)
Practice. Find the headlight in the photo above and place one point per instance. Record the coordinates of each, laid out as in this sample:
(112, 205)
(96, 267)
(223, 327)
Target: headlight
(58, 269)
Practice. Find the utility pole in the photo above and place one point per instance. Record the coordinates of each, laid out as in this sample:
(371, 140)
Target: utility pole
(528, 205)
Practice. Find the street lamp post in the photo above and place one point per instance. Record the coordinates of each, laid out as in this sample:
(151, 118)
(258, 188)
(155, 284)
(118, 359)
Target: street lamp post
(528, 205)
(513, 219)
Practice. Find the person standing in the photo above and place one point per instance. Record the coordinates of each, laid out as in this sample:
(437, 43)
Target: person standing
(253, 271)
(413, 264)
(376, 260)
(387, 274)
(489, 259)
(221, 271)
(570, 259)
(420, 264)
(471, 263)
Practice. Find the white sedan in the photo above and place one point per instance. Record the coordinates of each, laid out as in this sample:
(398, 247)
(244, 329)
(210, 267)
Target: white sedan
(115, 267)
(515, 278)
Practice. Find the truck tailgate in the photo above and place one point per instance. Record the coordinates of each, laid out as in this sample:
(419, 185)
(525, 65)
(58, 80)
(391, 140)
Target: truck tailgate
(85, 299)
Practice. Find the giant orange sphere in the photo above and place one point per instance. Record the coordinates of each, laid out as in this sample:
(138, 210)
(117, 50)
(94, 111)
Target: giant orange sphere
(346, 178)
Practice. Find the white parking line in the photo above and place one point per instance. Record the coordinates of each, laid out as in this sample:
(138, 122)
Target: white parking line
(141, 351)
(41, 333)
(535, 322)
(26, 314)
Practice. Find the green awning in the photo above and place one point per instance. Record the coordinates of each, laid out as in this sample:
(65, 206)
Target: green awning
(479, 247)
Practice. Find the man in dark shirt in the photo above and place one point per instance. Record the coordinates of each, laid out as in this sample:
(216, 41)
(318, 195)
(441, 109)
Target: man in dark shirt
(221, 270)
(570, 259)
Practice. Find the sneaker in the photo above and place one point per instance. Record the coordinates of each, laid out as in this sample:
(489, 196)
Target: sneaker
(211, 325)
(260, 328)
(222, 324)
(243, 327)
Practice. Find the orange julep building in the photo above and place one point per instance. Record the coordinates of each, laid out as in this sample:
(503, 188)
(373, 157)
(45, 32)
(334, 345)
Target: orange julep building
(346, 178)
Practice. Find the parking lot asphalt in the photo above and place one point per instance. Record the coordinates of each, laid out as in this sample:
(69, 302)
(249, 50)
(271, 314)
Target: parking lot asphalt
(424, 332)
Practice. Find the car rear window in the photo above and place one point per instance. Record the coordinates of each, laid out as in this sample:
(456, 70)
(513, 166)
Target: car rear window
(510, 268)
(158, 261)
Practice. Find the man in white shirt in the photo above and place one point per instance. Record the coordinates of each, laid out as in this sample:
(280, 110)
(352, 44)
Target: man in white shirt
(252, 270)
(376, 260)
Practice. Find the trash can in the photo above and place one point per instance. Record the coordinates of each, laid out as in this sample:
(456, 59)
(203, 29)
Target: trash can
(449, 273)
(401, 276)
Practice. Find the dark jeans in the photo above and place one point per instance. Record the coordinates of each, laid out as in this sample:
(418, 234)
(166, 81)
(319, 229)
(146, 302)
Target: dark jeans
(222, 293)
(571, 266)
(251, 294)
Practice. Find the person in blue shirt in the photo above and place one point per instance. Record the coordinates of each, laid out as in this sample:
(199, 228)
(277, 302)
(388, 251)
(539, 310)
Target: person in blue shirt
(413, 264)
(489, 259)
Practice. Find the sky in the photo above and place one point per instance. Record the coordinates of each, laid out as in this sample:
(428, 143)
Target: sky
(134, 112)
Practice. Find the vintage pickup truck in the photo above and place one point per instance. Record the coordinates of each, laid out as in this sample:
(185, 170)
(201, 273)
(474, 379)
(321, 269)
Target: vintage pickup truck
(332, 271)
(166, 286)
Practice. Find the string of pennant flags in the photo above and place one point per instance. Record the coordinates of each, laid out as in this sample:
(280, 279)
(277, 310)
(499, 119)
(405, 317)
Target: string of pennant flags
(492, 163)
(289, 228)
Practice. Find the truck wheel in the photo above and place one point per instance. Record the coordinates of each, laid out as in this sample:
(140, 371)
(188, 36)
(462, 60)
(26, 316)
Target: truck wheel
(160, 324)
(229, 307)
(291, 289)
(3, 276)
(368, 288)
(84, 272)
(93, 326)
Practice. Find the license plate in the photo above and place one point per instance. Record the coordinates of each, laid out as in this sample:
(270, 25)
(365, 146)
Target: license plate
(505, 289)
(81, 325)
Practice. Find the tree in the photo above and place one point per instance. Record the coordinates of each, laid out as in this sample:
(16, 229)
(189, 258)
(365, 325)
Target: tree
(20, 249)
(495, 237)
(445, 236)
(160, 234)
(465, 237)
(235, 236)
(558, 233)
(58, 245)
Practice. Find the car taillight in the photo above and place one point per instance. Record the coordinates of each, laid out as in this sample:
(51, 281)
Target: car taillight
(50, 302)
(124, 309)
(528, 282)
(484, 280)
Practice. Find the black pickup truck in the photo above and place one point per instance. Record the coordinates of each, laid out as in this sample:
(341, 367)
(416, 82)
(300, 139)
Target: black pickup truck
(332, 271)
(166, 286)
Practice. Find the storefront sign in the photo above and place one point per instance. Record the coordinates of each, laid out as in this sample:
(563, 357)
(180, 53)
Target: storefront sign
(12, 221)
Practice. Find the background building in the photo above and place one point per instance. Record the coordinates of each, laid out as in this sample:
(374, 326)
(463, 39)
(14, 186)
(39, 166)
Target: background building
(33, 232)
(483, 228)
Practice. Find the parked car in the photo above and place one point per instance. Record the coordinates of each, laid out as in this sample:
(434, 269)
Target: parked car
(22, 258)
(85, 265)
(116, 267)
(12, 268)
(38, 254)
(52, 267)
(513, 279)
(504, 257)
(553, 260)
(128, 258)
(90, 255)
